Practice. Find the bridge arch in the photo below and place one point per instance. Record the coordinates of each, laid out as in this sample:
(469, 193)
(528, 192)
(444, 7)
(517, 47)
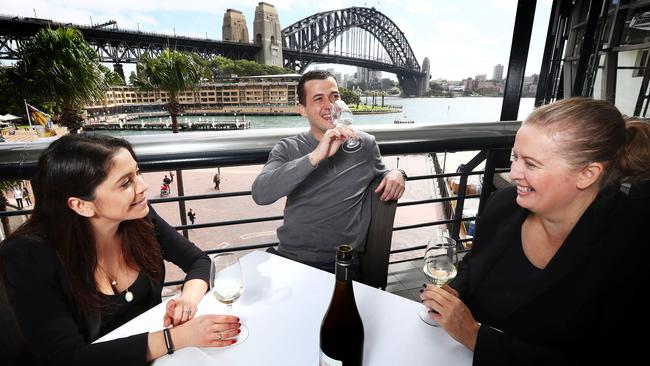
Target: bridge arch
(314, 33)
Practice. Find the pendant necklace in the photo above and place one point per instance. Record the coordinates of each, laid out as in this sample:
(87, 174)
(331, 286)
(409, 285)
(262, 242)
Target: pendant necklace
(128, 296)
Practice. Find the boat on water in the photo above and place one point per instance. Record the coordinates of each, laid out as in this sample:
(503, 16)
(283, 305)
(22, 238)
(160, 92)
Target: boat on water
(403, 119)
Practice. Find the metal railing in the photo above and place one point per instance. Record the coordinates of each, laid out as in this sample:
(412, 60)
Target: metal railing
(185, 151)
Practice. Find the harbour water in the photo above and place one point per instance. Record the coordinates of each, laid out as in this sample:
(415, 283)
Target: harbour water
(420, 110)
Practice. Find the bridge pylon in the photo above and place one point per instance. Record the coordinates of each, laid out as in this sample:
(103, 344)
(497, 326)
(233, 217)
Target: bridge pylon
(119, 69)
(268, 34)
(234, 27)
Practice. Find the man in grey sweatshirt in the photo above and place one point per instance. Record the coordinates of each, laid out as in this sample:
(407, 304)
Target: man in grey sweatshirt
(325, 185)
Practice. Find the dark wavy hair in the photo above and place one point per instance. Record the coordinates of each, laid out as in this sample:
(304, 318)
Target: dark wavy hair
(73, 166)
(311, 75)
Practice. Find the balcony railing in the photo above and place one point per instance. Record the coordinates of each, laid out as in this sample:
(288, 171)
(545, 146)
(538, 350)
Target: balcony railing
(164, 152)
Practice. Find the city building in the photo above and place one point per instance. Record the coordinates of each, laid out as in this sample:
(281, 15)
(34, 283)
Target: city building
(497, 75)
(367, 75)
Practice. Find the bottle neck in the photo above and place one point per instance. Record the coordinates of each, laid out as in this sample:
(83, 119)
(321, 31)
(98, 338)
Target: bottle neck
(343, 271)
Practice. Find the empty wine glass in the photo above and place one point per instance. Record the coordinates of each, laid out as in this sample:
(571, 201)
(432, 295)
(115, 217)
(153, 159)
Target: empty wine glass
(226, 284)
(342, 115)
(439, 266)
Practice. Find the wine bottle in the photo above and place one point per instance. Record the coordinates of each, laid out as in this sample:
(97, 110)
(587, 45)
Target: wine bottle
(341, 333)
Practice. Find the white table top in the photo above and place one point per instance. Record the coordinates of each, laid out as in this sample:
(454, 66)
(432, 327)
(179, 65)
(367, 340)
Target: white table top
(283, 305)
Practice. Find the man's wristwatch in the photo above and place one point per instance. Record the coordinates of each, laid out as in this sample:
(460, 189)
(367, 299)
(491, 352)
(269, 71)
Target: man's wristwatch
(403, 174)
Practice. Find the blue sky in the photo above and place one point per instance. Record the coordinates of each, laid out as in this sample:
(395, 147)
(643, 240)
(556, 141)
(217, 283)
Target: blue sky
(461, 37)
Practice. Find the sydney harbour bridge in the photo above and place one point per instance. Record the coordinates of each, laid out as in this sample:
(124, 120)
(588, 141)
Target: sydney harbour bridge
(355, 36)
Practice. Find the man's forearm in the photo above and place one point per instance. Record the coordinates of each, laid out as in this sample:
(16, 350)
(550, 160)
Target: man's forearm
(278, 180)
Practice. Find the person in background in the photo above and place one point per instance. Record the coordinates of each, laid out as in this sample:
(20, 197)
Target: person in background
(217, 181)
(167, 180)
(27, 197)
(90, 259)
(325, 185)
(18, 196)
(191, 215)
(558, 267)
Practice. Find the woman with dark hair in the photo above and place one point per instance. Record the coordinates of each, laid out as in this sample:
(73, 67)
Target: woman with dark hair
(90, 259)
(558, 267)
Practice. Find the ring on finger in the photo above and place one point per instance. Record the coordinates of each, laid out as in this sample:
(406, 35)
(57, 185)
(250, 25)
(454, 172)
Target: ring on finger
(219, 336)
(189, 312)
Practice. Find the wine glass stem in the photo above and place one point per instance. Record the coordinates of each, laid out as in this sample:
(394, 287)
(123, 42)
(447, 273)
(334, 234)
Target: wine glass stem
(229, 309)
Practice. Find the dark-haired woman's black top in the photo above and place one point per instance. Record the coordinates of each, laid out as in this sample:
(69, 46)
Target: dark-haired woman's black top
(56, 331)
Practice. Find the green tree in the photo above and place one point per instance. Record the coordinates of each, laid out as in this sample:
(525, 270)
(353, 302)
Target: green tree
(225, 67)
(5, 186)
(133, 78)
(349, 96)
(10, 99)
(112, 78)
(59, 66)
(171, 71)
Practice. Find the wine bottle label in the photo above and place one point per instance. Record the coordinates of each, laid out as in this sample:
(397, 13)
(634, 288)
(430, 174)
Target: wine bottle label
(325, 360)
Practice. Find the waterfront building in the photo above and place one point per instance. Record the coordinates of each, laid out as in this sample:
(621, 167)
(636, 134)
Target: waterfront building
(269, 94)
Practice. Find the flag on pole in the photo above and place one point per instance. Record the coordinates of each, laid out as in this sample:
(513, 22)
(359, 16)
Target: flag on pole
(46, 128)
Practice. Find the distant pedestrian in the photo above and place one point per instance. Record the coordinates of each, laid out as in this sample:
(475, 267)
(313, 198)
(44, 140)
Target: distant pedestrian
(18, 195)
(27, 197)
(166, 180)
(192, 215)
(217, 181)
(171, 175)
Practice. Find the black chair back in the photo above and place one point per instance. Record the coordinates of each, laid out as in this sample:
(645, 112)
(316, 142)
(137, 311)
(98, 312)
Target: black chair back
(373, 262)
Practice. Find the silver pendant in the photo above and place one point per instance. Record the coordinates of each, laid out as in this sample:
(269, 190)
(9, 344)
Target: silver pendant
(128, 296)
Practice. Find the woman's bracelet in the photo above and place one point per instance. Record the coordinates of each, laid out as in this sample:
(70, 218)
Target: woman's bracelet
(168, 341)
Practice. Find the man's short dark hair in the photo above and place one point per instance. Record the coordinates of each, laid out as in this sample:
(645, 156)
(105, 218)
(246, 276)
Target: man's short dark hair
(311, 75)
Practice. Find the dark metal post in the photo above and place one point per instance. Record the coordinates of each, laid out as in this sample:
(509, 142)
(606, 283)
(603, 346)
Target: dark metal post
(544, 77)
(462, 190)
(610, 66)
(488, 179)
(518, 56)
(181, 204)
(516, 68)
(587, 50)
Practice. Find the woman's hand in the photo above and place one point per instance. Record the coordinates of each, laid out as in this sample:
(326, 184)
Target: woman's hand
(183, 308)
(452, 314)
(178, 311)
(207, 331)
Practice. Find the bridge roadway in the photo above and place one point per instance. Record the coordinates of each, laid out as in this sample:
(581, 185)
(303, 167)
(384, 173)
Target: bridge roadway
(120, 46)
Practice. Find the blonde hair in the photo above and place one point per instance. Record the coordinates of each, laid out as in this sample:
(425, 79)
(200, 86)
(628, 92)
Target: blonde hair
(590, 130)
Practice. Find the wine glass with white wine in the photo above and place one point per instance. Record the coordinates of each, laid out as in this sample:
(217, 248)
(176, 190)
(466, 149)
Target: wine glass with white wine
(440, 262)
(227, 285)
(342, 115)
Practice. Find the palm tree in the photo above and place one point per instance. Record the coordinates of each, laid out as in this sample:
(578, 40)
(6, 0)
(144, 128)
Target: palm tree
(171, 71)
(59, 66)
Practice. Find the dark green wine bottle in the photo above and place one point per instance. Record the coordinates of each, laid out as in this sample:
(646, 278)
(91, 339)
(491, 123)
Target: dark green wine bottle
(341, 333)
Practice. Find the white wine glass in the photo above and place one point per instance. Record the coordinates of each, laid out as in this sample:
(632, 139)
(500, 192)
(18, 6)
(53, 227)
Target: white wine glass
(440, 262)
(226, 283)
(342, 116)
